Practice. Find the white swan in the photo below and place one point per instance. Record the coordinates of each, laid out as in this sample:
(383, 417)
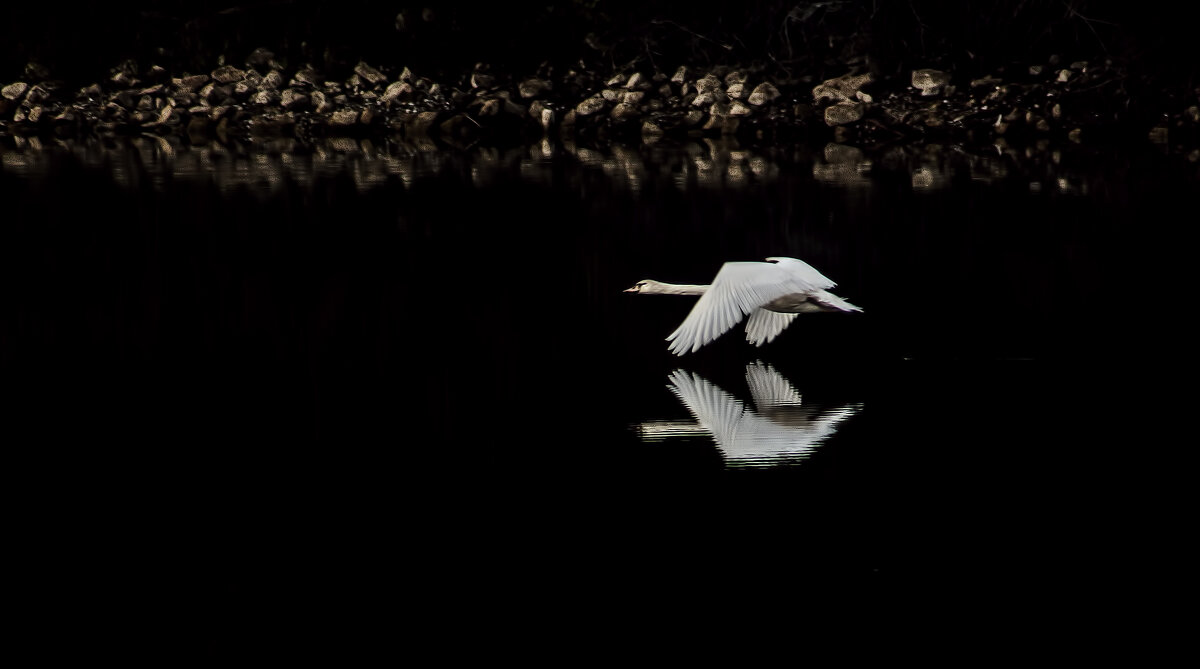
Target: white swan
(771, 292)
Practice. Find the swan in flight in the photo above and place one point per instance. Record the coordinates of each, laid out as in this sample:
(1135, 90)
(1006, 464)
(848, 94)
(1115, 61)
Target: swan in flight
(772, 293)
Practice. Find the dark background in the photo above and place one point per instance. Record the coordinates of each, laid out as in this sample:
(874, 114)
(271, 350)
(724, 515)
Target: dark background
(800, 38)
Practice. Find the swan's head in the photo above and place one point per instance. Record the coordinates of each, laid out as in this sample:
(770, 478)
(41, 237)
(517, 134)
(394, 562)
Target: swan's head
(649, 286)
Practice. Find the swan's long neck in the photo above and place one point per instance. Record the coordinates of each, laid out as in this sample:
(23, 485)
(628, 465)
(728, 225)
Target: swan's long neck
(681, 289)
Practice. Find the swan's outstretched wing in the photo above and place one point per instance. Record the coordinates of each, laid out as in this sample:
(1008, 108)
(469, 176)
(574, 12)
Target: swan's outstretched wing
(764, 326)
(738, 289)
(803, 272)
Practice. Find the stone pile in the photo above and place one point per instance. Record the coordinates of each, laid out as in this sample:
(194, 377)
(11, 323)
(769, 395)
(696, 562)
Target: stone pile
(263, 98)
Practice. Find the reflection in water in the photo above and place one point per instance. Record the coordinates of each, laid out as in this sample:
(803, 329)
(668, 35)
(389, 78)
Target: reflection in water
(778, 430)
(706, 163)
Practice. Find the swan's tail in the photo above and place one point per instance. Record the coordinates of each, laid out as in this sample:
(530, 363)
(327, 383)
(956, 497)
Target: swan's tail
(831, 301)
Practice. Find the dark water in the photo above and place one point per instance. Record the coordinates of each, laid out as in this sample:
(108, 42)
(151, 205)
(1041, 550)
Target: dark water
(310, 394)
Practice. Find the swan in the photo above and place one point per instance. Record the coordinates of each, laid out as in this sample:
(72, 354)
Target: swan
(772, 293)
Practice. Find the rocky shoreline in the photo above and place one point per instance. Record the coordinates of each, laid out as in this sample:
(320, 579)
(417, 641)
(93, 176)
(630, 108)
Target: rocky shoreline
(1079, 101)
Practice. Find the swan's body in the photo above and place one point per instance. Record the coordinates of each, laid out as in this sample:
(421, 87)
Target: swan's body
(772, 293)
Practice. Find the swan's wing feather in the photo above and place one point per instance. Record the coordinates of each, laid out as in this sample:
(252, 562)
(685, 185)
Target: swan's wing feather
(803, 273)
(832, 301)
(764, 326)
(738, 289)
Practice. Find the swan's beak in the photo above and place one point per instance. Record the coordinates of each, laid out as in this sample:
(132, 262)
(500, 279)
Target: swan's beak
(630, 290)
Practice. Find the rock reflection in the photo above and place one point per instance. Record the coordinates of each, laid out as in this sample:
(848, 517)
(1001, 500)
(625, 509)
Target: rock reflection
(708, 163)
(780, 429)
(843, 165)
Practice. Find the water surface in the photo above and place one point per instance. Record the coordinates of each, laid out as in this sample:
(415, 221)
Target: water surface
(429, 351)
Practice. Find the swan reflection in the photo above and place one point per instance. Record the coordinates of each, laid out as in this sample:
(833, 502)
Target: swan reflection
(777, 430)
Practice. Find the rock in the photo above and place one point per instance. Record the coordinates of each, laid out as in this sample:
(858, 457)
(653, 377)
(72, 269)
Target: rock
(738, 108)
(343, 117)
(707, 83)
(396, 91)
(531, 88)
(762, 94)
(265, 97)
(166, 114)
(421, 123)
(306, 76)
(271, 124)
(244, 89)
(227, 74)
(271, 80)
(590, 106)
(37, 93)
(369, 74)
(651, 131)
(637, 80)
(15, 90)
(482, 80)
(840, 89)
(542, 113)
(490, 107)
(1064, 76)
(192, 82)
(90, 93)
(320, 103)
(843, 113)
(624, 112)
(988, 81)
(680, 76)
(568, 121)
(292, 98)
(929, 81)
(632, 97)
(122, 79)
